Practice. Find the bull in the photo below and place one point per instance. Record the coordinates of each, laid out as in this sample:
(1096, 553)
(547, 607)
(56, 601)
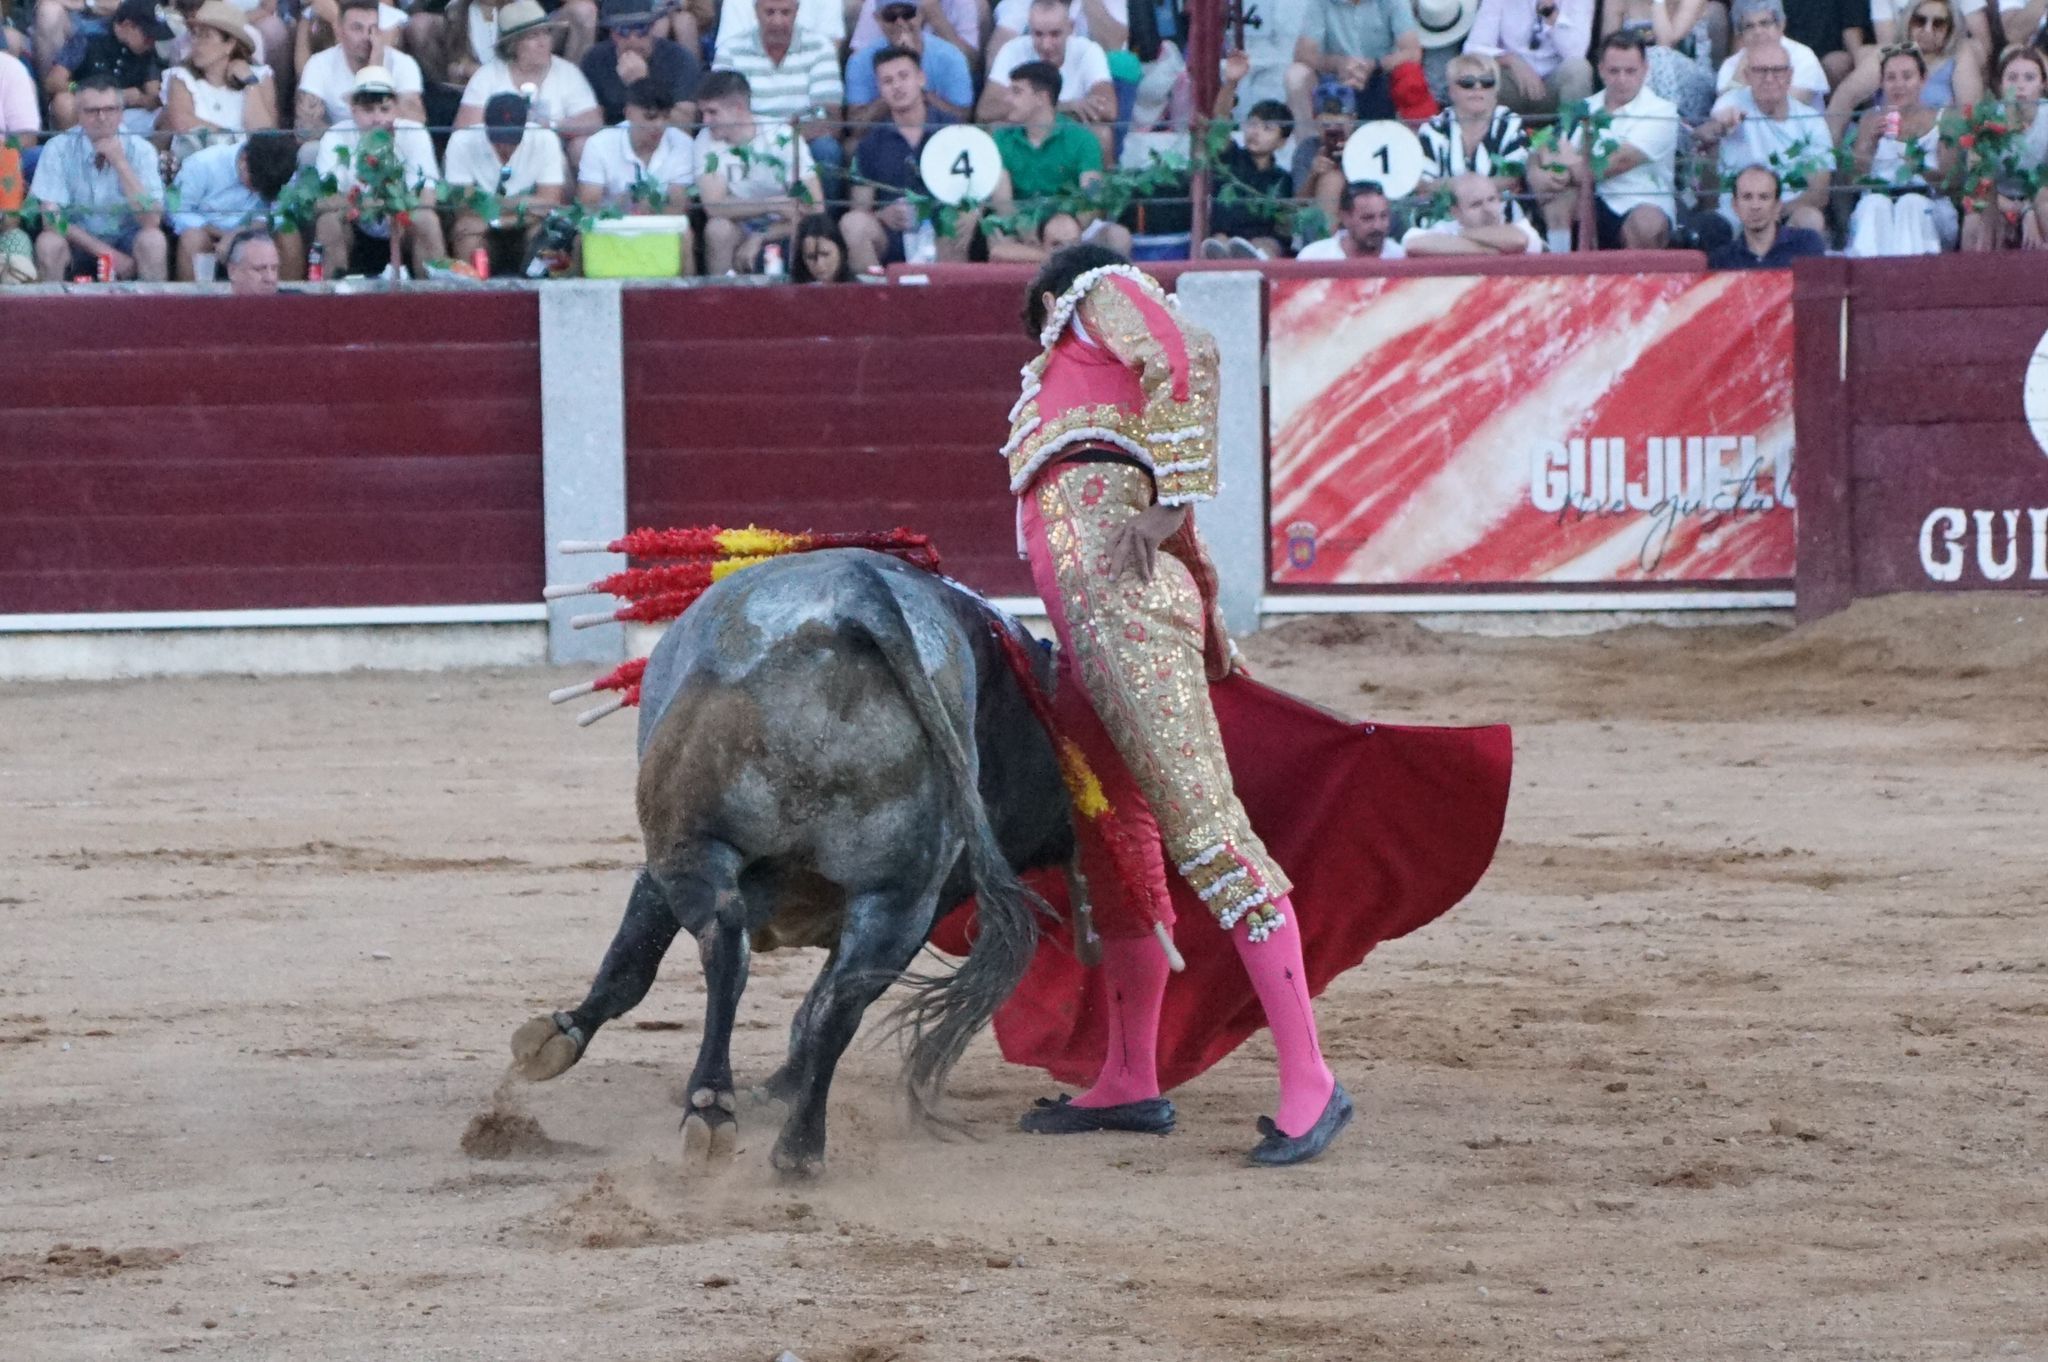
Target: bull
(833, 752)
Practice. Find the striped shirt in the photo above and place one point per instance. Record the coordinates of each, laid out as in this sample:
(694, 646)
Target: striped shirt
(807, 77)
(1503, 151)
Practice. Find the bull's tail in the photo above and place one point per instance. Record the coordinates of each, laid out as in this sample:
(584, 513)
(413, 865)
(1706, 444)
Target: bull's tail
(944, 1012)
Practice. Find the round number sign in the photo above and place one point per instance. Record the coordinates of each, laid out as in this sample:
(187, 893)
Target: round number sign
(1386, 153)
(960, 164)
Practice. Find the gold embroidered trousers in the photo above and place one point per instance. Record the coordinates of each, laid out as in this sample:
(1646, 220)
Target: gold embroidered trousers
(1135, 650)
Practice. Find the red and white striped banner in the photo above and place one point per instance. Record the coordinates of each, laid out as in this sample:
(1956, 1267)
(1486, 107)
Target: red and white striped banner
(1530, 429)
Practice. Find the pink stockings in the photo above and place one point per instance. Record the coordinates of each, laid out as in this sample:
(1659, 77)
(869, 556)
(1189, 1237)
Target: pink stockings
(1134, 972)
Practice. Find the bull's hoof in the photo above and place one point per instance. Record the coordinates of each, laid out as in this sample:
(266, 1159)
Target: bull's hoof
(711, 1133)
(545, 1047)
(793, 1164)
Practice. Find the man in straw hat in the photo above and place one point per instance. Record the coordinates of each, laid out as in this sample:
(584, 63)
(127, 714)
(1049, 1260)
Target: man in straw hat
(357, 242)
(526, 64)
(1540, 46)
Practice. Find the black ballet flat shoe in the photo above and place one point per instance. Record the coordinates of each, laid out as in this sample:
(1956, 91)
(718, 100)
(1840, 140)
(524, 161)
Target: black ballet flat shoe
(1153, 1116)
(1279, 1149)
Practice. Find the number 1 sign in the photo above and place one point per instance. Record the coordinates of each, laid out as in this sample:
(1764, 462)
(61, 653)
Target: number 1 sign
(1386, 153)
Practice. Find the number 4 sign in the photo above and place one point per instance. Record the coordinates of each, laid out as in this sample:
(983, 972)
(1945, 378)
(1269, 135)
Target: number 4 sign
(1386, 153)
(960, 164)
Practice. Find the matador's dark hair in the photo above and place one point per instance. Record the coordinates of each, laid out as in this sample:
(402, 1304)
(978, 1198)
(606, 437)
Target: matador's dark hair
(1058, 274)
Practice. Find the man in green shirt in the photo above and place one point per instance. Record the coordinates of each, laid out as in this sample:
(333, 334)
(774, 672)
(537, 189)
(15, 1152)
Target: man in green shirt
(1046, 155)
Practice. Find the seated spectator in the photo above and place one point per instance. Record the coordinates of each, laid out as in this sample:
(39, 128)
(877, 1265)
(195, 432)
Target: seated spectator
(1540, 46)
(1679, 43)
(19, 116)
(362, 244)
(222, 189)
(1086, 96)
(1761, 24)
(2014, 218)
(738, 19)
(1268, 51)
(1106, 23)
(1318, 160)
(252, 263)
(1955, 75)
(820, 255)
(1363, 220)
(1478, 225)
(630, 52)
(127, 52)
(752, 199)
(110, 195)
(180, 16)
(885, 169)
(793, 73)
(329, 75)
(562, 101)
(948, 81)
(319, 28)
(1760, 125)
(455, 44)
(519, 164)
(1762, 244)
(1354, 46)
(1478, 134)
(1047, 156)
(645, 164)
(218, 89)
(1890, 21)
(1634, 203)
(1833, 30)
(58, 22)
(1251, 188)
(957, 22)
(1163, 106)
(1901, 216)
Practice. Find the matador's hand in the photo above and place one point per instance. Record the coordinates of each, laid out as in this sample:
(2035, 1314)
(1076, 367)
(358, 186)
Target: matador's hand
(1135, 546)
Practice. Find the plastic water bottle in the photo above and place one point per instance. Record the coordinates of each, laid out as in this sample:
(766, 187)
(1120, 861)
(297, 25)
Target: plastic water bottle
(923, 246)
(771, 260)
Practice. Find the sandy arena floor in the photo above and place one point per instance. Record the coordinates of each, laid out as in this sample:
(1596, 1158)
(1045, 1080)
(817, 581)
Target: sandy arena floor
(1741, 1051)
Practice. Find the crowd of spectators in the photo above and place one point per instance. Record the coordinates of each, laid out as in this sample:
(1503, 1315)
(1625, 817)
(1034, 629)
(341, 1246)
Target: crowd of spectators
(258, 139)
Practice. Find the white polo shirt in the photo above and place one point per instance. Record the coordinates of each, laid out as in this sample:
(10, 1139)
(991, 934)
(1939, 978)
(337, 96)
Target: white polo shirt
(327, 75)
(536, 162)
(1649, 123)
(609, 160)
(1086, 66)
(562, 93)
(1453, 227)
(1015, 15)
(1332, 248)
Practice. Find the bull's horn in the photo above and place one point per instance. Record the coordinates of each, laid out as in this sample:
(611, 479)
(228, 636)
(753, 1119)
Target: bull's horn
(1174, 961)
(556, 593)
(592, 621)
(591, 716)
(584, 546)
(580, 689)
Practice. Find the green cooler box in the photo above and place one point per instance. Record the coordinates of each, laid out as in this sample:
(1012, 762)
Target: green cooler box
(636, 248)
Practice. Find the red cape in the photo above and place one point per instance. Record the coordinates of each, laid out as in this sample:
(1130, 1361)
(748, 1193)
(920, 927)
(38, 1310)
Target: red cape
(1381, 829)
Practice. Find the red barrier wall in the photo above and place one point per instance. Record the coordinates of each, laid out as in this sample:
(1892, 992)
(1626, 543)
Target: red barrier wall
(851, 408)
(167, 453)
(1918, 470)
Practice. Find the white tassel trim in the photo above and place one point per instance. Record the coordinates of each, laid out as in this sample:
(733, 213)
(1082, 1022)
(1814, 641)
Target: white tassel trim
(1063, 307)
(1182, 466)
(1233, 915)
(1023, 477)
(1188, 867)
(1185, 498)
(1174, 437)
(1265, 926)
(1031, 390)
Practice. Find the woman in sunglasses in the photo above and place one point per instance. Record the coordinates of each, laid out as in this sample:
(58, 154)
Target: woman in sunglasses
(1955, 74)
(1477, 135)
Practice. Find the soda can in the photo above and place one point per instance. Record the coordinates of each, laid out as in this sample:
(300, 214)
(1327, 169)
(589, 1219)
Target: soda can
(104, 272)
(480, 261)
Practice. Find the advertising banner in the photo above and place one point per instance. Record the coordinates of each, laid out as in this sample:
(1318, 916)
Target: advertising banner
(1500, 432)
